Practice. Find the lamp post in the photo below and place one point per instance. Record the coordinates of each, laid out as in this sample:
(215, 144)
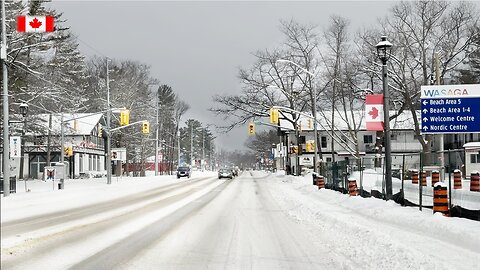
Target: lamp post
(23, 111)
(384, 48)
(314, 112)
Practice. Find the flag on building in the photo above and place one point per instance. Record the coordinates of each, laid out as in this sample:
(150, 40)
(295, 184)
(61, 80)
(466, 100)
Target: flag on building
(374, 112)
(35, 24)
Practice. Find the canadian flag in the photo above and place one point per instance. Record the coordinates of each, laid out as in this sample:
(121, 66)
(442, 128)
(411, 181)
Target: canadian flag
(374, 112)
(35, 24)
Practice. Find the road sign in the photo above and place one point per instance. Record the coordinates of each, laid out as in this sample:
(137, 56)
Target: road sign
(15, 146)
(450, 109)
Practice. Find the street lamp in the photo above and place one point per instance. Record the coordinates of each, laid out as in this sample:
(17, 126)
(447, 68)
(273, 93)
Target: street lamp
(314, 111)
(384, 49)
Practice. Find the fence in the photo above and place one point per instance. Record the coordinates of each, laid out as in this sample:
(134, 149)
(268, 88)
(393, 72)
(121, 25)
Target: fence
(369, 173)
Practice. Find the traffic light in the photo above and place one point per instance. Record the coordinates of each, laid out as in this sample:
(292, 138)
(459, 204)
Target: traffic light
(124, 117)
(251, 128)
(310, 123)
(100, 131)
(273, 116)
(68, 151)
(146, 127)
(310, 146)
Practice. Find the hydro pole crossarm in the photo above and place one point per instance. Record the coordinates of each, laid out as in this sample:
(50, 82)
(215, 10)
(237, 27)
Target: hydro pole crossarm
(134, 123)
(346, 147)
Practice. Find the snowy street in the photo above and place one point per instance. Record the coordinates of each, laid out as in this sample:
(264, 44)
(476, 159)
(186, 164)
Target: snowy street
(256, 221)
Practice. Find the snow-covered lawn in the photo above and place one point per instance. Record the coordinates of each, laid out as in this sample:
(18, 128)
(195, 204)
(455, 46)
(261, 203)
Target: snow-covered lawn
(387, 235)
(44, 197)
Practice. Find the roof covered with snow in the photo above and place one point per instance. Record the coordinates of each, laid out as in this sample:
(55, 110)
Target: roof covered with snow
(75, 124)
(403, 122)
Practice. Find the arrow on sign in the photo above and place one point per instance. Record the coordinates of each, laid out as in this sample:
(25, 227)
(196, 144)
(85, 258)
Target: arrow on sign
(425, 102)
(425, 119)
(425, 128)
(425, 111)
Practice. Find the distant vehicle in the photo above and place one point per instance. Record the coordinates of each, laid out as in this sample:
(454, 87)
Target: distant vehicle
(183, 172)
(225, 173)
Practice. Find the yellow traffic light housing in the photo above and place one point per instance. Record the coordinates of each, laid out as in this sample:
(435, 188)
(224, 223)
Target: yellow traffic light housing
(146, 127)
(273, 116)
(124, 117)
(68, 151)
(251, 128)
(310, 123)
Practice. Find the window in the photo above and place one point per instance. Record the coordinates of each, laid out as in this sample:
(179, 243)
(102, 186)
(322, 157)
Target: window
(367, 139)
(324, 142)
(393, 137)
(301, 140)
(329, 159)
(475, 158)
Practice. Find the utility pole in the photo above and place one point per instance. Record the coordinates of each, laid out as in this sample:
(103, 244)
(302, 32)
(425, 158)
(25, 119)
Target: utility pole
(6, 142)
(441, 149)
(178, 147)
(109, 157)
(156, 133)
(191, 144)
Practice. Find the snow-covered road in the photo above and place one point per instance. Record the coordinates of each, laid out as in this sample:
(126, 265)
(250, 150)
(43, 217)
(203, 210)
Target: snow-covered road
(256, 221)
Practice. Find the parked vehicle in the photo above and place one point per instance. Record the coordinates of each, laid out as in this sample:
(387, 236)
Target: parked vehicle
(183, 172)
(225, 173)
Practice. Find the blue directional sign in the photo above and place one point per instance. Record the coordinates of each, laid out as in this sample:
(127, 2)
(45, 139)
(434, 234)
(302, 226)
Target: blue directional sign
(450, 109)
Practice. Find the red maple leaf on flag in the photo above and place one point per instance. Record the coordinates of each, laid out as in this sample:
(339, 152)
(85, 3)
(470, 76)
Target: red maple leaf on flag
(35, 23)
(373, 113)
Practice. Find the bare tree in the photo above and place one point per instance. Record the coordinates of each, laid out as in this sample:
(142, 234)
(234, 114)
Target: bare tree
(420, 30)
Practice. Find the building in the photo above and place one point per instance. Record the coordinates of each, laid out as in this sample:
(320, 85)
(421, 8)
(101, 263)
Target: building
(82, 132)
(297, 150)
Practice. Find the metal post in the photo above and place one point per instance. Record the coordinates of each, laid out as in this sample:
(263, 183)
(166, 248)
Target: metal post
(22, 152)
(109, 157)
(203, 150)
(315, 135)
(403, 179)
(386, 141)
(6, 142)
(62, 148)
(449, 184)
(420, 183)
(156, 134)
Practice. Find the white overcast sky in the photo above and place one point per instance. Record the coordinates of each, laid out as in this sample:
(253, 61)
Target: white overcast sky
(197, 47)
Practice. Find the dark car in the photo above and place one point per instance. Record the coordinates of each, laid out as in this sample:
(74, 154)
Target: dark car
(225, 173)
(183, 172)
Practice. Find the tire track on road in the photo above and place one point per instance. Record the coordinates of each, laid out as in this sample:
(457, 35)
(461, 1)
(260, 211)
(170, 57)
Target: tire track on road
(41, 247)
(20, 226)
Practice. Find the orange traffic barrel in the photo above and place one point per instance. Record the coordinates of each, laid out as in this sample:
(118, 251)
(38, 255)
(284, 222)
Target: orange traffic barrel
(440, 198)
(320, 182)
(457, 179)
(424, 178)
(352, 187)
(414, 177)
(435, 177)
(475, 181)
